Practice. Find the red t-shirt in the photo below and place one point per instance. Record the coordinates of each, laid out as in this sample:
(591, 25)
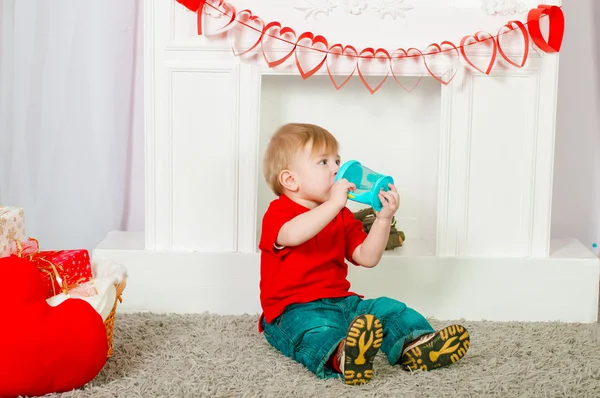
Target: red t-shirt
(313, 270)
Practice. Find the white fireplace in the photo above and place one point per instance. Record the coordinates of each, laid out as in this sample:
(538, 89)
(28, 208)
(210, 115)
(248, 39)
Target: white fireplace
(472, 161)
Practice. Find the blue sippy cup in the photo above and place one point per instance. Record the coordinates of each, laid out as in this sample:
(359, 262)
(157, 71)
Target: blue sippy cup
(368, 183)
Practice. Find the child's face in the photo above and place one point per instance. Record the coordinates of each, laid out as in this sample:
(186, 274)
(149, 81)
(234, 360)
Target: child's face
(315, 173)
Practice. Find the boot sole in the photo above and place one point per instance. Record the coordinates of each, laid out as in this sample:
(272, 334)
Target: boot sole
(447, 347)
(363, 341)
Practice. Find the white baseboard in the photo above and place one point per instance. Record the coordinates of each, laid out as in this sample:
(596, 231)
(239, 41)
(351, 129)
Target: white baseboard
(564, 287)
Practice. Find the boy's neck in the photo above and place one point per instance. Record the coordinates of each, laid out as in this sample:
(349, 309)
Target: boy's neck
(309, 204)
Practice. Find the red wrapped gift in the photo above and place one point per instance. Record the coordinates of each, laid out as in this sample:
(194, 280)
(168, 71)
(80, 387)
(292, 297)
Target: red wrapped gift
(63, 269)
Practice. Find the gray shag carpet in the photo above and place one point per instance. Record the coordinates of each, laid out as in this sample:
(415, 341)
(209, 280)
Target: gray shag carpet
(224, 356)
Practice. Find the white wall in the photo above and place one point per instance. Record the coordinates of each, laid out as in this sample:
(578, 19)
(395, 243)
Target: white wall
(576, 200)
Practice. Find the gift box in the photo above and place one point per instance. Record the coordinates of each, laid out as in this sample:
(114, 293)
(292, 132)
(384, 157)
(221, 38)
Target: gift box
(12, 229)
(62, 270)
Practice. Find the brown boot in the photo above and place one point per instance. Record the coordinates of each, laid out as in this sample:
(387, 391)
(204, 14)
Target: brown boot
(361, 214)
(367, 223)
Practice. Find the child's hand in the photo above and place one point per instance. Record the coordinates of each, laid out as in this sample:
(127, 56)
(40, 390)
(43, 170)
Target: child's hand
(339, 192)
(390, 201)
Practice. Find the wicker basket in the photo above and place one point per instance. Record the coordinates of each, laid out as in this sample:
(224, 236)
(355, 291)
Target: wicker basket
(109, 323)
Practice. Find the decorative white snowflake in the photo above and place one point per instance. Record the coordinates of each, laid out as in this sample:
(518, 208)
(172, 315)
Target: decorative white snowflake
(316, 7)
(393, 8)
(355, 7)
(504, 7)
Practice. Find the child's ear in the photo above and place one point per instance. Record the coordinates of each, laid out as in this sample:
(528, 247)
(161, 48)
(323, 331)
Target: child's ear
(288, 181)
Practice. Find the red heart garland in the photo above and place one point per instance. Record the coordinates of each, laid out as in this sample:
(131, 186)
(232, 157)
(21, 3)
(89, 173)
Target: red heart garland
(227, 11)
(305, 72)
(472, 40)
(401, 56)
(347, 53)
(369, 55)
(557, 27)
(254, 24)
(192, 5)
(274, 31)
(435, 49)
(519, 25)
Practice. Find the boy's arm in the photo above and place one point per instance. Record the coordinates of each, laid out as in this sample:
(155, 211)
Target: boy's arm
(371, 250)
(307, 225)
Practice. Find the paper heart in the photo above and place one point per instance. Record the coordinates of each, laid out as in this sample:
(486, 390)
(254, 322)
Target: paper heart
(192, 5)
(444, 57)
(247, 34)
(45, 349)
(504, 32)
(215, 17)
(311, 53)
(401, 60)
(373, 62)
(470, 42)
(556, 27)
(278, 44)
(343, 62)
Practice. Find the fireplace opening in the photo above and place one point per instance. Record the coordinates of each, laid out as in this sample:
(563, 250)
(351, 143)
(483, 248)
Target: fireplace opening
(393, 132)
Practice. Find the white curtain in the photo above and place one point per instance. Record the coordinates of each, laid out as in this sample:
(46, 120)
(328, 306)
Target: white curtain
(576, 197)
(71, 117)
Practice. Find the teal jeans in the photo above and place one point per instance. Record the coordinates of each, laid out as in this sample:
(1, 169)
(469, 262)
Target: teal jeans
(309, 333)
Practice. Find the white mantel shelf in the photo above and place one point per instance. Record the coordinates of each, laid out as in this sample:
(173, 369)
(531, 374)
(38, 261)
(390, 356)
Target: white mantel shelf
(563, 287)
(473, 162)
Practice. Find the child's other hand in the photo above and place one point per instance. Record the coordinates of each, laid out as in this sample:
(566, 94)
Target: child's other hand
(339, 192)
(390, 201)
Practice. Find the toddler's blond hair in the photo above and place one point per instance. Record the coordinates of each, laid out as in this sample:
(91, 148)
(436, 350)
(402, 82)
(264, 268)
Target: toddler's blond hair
(285, 144)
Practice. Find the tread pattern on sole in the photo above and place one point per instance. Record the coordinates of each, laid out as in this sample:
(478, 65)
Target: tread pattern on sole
(362, 344)
(448, 346)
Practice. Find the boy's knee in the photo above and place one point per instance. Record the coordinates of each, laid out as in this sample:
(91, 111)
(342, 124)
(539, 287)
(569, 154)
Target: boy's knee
(385, 306)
